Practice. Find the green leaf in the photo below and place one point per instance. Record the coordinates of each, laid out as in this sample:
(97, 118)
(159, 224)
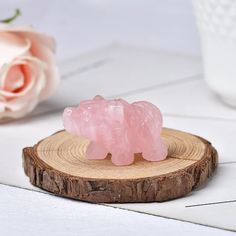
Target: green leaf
(10, 19)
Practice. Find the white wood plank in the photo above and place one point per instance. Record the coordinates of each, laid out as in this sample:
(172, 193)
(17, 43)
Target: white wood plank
(222, 134)
(18, 135)
(216, 202)
(28, 213)
(117, 70)
(191, 98)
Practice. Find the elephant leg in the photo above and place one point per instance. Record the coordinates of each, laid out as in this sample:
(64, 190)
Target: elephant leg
(156, 152)
(96, 151)
(122, 158)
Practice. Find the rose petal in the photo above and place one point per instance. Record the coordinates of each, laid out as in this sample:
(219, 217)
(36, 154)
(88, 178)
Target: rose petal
(2, 107)
(12, 46)
(19, 103)
(23, 109)
(16, 79)
(34, 72)
(41, 47)
(2, 99)
(22, 105)
(28, 71)
(51, 72)
(30, 33)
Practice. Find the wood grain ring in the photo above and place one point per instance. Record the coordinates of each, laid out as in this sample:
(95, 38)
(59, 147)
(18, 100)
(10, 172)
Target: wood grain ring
(57, 164)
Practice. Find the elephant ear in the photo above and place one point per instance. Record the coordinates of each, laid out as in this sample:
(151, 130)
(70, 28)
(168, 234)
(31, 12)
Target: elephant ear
(149, 114)
(148, 123)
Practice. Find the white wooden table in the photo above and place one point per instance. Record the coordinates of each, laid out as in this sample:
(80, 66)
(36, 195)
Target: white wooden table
(81, 26)
(30, 213)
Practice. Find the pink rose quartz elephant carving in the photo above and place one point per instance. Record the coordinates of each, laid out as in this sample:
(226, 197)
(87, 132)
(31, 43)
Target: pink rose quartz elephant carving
(119, 128)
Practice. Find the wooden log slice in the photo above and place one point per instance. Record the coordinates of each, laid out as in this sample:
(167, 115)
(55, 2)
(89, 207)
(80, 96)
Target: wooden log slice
(57, 164)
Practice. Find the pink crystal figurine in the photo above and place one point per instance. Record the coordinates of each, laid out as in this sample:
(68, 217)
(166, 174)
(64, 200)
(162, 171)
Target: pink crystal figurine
(119, 128)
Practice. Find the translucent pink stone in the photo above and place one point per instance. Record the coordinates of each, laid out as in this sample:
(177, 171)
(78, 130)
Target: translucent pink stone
(119, 128)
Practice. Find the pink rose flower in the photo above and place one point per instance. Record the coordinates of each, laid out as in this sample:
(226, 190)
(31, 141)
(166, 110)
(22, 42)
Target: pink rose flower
(28, 71)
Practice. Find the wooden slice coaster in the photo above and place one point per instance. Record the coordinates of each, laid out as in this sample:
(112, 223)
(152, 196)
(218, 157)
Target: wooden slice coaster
(57, 164)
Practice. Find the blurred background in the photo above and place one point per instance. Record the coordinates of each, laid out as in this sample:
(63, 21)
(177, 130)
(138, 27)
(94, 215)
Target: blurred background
(165, 24)
(172, 78)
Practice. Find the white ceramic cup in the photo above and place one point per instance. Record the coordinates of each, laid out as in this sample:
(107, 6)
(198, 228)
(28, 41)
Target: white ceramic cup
(216, 21)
